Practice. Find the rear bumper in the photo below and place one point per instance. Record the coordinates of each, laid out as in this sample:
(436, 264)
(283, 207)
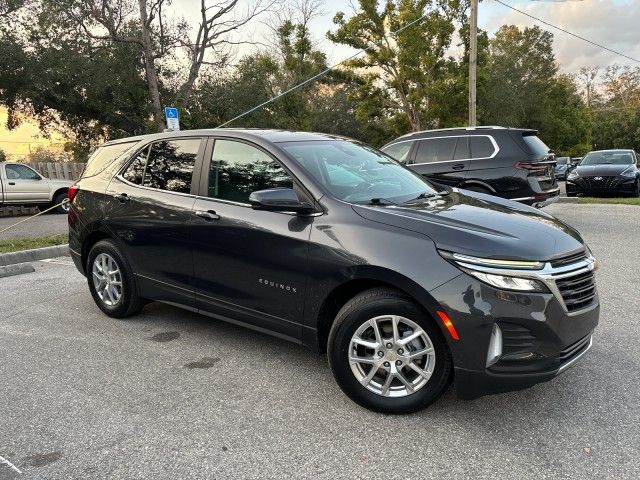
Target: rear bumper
(542, 198)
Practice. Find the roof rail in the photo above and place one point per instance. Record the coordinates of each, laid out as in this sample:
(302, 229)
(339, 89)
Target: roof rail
(481, 127)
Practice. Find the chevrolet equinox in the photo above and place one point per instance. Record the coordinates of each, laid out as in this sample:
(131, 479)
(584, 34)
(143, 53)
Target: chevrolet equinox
(334, 245)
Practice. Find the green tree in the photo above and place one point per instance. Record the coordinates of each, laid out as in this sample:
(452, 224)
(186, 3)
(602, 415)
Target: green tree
(520, 87)
(402, 79)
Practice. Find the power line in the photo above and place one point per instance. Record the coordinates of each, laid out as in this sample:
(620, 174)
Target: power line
(318, 75)
(568, 32)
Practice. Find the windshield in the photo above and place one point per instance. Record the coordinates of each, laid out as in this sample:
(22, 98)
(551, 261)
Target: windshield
(607, 158)
(356, 173)
(562, 160)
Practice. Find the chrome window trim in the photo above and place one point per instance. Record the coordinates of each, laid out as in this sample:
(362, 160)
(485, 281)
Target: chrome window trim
(496, 148)
(450, 129)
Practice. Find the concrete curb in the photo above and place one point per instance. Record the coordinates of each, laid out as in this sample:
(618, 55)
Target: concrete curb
(33, 255)
(16, 269)
(568, 200)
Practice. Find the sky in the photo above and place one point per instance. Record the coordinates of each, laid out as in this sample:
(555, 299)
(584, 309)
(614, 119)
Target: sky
(614, 23)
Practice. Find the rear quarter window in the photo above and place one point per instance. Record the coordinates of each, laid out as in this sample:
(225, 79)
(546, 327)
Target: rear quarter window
(534, 145)
(399, 151)
(104, 157)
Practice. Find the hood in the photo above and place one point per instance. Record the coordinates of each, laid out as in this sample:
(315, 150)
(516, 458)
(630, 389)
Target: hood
(603, 170)
(482, 225)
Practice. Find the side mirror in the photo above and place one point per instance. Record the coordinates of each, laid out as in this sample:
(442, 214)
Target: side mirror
(278, 200)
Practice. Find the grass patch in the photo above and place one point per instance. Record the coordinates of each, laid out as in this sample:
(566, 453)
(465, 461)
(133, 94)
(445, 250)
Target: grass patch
(622, 201)
(17, 244)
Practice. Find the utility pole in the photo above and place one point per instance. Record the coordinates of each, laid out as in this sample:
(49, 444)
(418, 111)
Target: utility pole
(473, 61)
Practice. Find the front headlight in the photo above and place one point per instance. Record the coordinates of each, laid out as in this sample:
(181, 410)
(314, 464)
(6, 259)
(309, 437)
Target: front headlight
(484, 269)
(572, 174)
(629, 172)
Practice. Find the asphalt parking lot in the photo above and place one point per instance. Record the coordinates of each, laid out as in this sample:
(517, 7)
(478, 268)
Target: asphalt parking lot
(170, 394)
(46, 224)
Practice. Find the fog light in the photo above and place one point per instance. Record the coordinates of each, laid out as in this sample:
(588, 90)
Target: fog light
(495, 345)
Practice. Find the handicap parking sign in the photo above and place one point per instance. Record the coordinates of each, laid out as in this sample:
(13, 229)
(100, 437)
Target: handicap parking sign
(173, 118)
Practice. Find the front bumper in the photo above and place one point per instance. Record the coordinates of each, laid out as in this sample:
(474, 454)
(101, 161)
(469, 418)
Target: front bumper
(540, 338)
(605, 185)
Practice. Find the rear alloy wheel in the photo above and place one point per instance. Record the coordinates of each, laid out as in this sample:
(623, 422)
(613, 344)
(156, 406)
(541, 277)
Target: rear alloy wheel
(111, 281)
(63, 203)
(387, 354)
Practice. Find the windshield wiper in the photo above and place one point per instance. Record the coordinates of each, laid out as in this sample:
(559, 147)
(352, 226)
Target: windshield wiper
(425, 195)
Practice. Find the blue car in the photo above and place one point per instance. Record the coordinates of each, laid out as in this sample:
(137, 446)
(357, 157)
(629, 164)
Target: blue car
(562, 165)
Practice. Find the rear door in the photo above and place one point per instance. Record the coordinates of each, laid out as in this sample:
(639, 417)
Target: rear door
(151, 204)
(24, 185)
(249, 265)
(444, 160)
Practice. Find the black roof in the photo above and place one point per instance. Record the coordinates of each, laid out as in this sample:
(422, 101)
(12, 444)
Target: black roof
(270, 135)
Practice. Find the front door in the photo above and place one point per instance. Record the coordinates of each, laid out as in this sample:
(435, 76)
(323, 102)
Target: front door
(249, 265)
(24, 185)
(444, 160)
(148, 208)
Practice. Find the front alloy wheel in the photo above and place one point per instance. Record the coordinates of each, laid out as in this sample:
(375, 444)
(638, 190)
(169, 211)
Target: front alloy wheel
(392, 356)
(387, 353)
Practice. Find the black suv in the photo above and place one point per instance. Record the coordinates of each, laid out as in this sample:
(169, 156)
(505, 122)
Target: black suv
(334, 245)
(507, 162)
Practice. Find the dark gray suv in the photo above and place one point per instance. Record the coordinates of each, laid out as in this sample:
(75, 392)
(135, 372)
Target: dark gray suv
(332, 244)
(511, 163)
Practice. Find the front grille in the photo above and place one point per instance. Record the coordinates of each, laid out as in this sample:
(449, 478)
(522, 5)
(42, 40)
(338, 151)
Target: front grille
(578, 291)
(590, 183)
(574, 349)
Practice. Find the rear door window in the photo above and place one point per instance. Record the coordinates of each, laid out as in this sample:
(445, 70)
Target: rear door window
(399, 151)
(481, 147)
(170, 165)
(462, 149)
(436, 150)
(135, 171)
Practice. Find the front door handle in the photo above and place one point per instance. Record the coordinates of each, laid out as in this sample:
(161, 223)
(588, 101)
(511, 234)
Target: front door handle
(208, 215)
(458, 166)
(12, 183)
(122, 197)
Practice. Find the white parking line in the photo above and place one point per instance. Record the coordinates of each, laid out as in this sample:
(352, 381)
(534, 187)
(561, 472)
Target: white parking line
(57, 262)
(11, 465)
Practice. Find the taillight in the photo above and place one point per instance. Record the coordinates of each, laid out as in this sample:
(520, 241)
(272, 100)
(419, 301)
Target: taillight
(72, 192)
(532, 167)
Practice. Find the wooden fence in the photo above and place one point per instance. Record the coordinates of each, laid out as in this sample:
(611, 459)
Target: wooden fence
(59, 170)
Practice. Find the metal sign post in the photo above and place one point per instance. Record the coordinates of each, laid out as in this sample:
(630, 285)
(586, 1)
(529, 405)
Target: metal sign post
(173, 118)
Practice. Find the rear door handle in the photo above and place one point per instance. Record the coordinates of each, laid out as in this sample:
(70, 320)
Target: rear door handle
(458, 166)
(122, 197)
(208, 215)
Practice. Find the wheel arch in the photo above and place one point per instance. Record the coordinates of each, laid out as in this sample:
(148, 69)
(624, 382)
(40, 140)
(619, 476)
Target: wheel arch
(59, 191)
(364, 279)
(90, 240)
(477, 183)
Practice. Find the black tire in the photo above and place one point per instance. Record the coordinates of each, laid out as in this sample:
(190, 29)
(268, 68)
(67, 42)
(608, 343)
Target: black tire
(571, 194)
(59, 198)
(129, 302)
(374, 303)
(637, 191)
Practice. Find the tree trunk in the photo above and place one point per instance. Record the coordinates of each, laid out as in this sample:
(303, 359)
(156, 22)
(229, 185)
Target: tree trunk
(150, 68)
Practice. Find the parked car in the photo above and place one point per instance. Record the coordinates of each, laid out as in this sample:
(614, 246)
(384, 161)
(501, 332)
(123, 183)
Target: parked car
(562, 165)
(507, 162)
(331, 244)
(606, 172)
(22, 185)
